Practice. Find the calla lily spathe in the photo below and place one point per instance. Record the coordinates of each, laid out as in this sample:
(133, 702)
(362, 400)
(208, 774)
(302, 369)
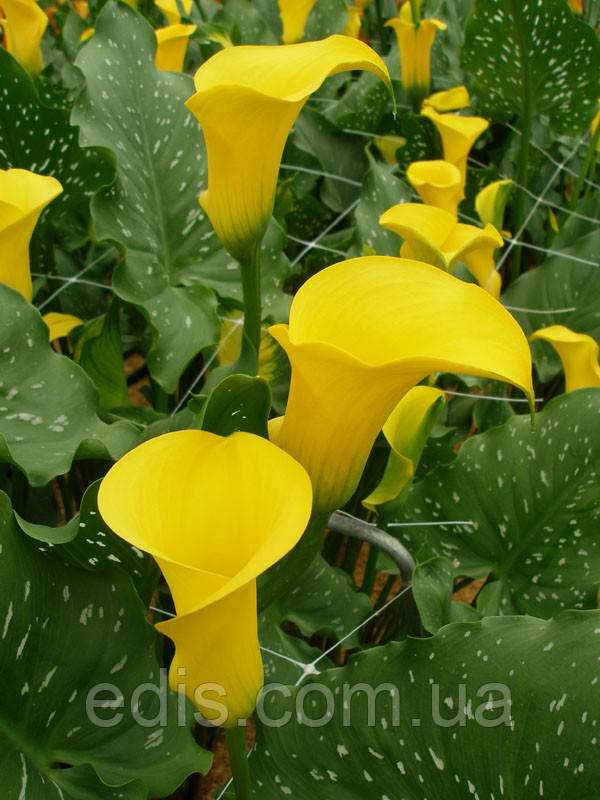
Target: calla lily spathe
(491, 201)
(361, 334)
(388, 146)
(214, 512)
(171, 11)
(246, 100)
(438, 183)
(458, 135)
(354, 23)
(434, 235)
(294, 14)
(414, 44)
(24, 24)
(578, 353)
(448, 100)
(171, 44)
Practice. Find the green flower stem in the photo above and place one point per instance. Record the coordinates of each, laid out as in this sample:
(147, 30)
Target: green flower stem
(240, 770)
(285, 575)
(380, 26)
(250, 269)
(589, 159)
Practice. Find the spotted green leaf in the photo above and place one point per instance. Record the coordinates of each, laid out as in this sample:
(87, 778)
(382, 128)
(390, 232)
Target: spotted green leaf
(531, 58)
(527, 502)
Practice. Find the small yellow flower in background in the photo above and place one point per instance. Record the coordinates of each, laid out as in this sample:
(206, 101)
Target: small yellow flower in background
(354, 23)
(388, 146)
(23, 197)
(82, 8)
(415, 45)
(491, 201)
(594, 125)
(86, 35)
(439, 183)
(172, 43)
(406, 430)
(576, 6)
(215, 513)
(294, 14)
(448, 100)
(246, 101)
(458, 135)
(171, 11)
(578, 353)
(361, 334)
(362, 3)
(435, 236)
(24, 24)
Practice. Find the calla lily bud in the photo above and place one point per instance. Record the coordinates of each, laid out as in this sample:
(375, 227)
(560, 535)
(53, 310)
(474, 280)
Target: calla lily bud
(578, 353)
(361, 334)
(439, 183)
(491, 201)
(247, 99)
(24, 24)
(214, 512)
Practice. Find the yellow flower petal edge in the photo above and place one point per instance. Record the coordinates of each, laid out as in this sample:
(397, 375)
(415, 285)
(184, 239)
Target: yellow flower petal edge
(246, 100)
(361, 334)
(414, 44)
(458, 135)
(171, 44)
(294, 14)
(439, 183)
(214, 512)
(406, 430)
(23, 197)
(578, 353)
(171, 11)
(60, 324)
(449, 99)
(24, 24)
(490, 203)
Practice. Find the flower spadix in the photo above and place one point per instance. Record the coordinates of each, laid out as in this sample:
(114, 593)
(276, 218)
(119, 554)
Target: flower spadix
(578, 353)
(458, 135)
(246, 100)
(24, 23)
(214, 512)
(361, 334)
(439, 183)
(434, 235)
(171, 44)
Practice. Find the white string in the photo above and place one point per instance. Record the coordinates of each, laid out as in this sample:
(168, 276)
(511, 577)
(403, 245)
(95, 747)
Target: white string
(541, 311)
(112, 253)
(490, 397)
(318, 246)
(436, 522)
(550, 252)
(312, 171)
(84, 282)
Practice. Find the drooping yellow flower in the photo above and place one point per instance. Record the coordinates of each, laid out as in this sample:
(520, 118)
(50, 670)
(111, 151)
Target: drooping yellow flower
(458, 135)
(449, 99)
(361, 334)
(294, 14)
(215, 513)
(491, 201)
(433, 235)
(406, 430)
(24, 24)
(578, 353)
(171, 11)
(439, 183)
(388, 146)
(172, 43)
(415, 44)
(246, 100)
(354, 23)
(23, 197)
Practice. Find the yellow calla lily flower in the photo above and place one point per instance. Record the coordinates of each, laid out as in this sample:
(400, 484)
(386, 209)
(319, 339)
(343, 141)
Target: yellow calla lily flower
(60, 324)
(434, 235)
(246, 100)
(23, 197)
(388, 146)
(24, 24)
(490, 203)
(361, 334)
(439, 183)
(415, 44)
(578, 353)
(294, 14)
(172, 43)
(354, 23)
(171, 11)
(448, 100)
(214, 512)
(458, 135)
(406, 430)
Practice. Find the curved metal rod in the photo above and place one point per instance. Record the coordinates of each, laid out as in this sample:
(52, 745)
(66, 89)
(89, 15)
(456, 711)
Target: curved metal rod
(358, 529)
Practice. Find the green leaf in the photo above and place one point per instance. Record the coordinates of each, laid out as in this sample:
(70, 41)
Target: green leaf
(48, 405)
(152, 208)
(238, 403)
(65, 633)
(533, 58)
(498, 708)
(98, 350)
(432, 587)
(381, 190)
(326, 17)
(531, 498)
